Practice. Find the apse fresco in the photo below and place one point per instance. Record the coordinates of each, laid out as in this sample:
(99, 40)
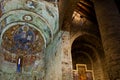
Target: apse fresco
(26, 29)
(22, 39)
(81, 73)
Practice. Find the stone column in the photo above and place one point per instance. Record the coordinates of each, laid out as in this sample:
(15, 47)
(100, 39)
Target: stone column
(66, 57)
(67, 71)
(109, 25)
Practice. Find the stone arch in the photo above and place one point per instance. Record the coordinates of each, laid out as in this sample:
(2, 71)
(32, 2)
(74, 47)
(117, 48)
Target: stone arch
(90, 45)
(96, 39)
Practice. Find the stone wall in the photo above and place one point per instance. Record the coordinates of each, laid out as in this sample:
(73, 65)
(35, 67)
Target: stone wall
(66, 57)
(53, 60)
(109, 25)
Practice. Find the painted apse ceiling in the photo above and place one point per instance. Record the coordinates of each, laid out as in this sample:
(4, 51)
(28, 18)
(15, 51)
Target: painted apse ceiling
(26, 28)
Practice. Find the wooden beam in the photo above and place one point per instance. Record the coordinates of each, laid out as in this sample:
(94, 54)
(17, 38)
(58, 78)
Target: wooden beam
(89, 9)
(87, 15)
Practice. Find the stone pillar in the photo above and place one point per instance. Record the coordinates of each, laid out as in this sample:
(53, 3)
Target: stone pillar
(66, 57)
(109, 25)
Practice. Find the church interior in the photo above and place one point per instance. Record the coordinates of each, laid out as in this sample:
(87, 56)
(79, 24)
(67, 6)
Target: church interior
(59, 39)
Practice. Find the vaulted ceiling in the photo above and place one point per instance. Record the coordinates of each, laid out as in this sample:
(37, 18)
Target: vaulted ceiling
(89, 43)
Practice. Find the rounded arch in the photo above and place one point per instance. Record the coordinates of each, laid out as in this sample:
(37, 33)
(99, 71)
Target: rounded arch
(83, 42)
(91, 40)
(90, 65)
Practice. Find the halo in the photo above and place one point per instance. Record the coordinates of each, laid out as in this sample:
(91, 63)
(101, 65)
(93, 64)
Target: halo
(25, 27)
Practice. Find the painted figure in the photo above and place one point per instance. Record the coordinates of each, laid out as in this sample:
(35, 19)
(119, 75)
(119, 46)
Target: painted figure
(23, 38)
